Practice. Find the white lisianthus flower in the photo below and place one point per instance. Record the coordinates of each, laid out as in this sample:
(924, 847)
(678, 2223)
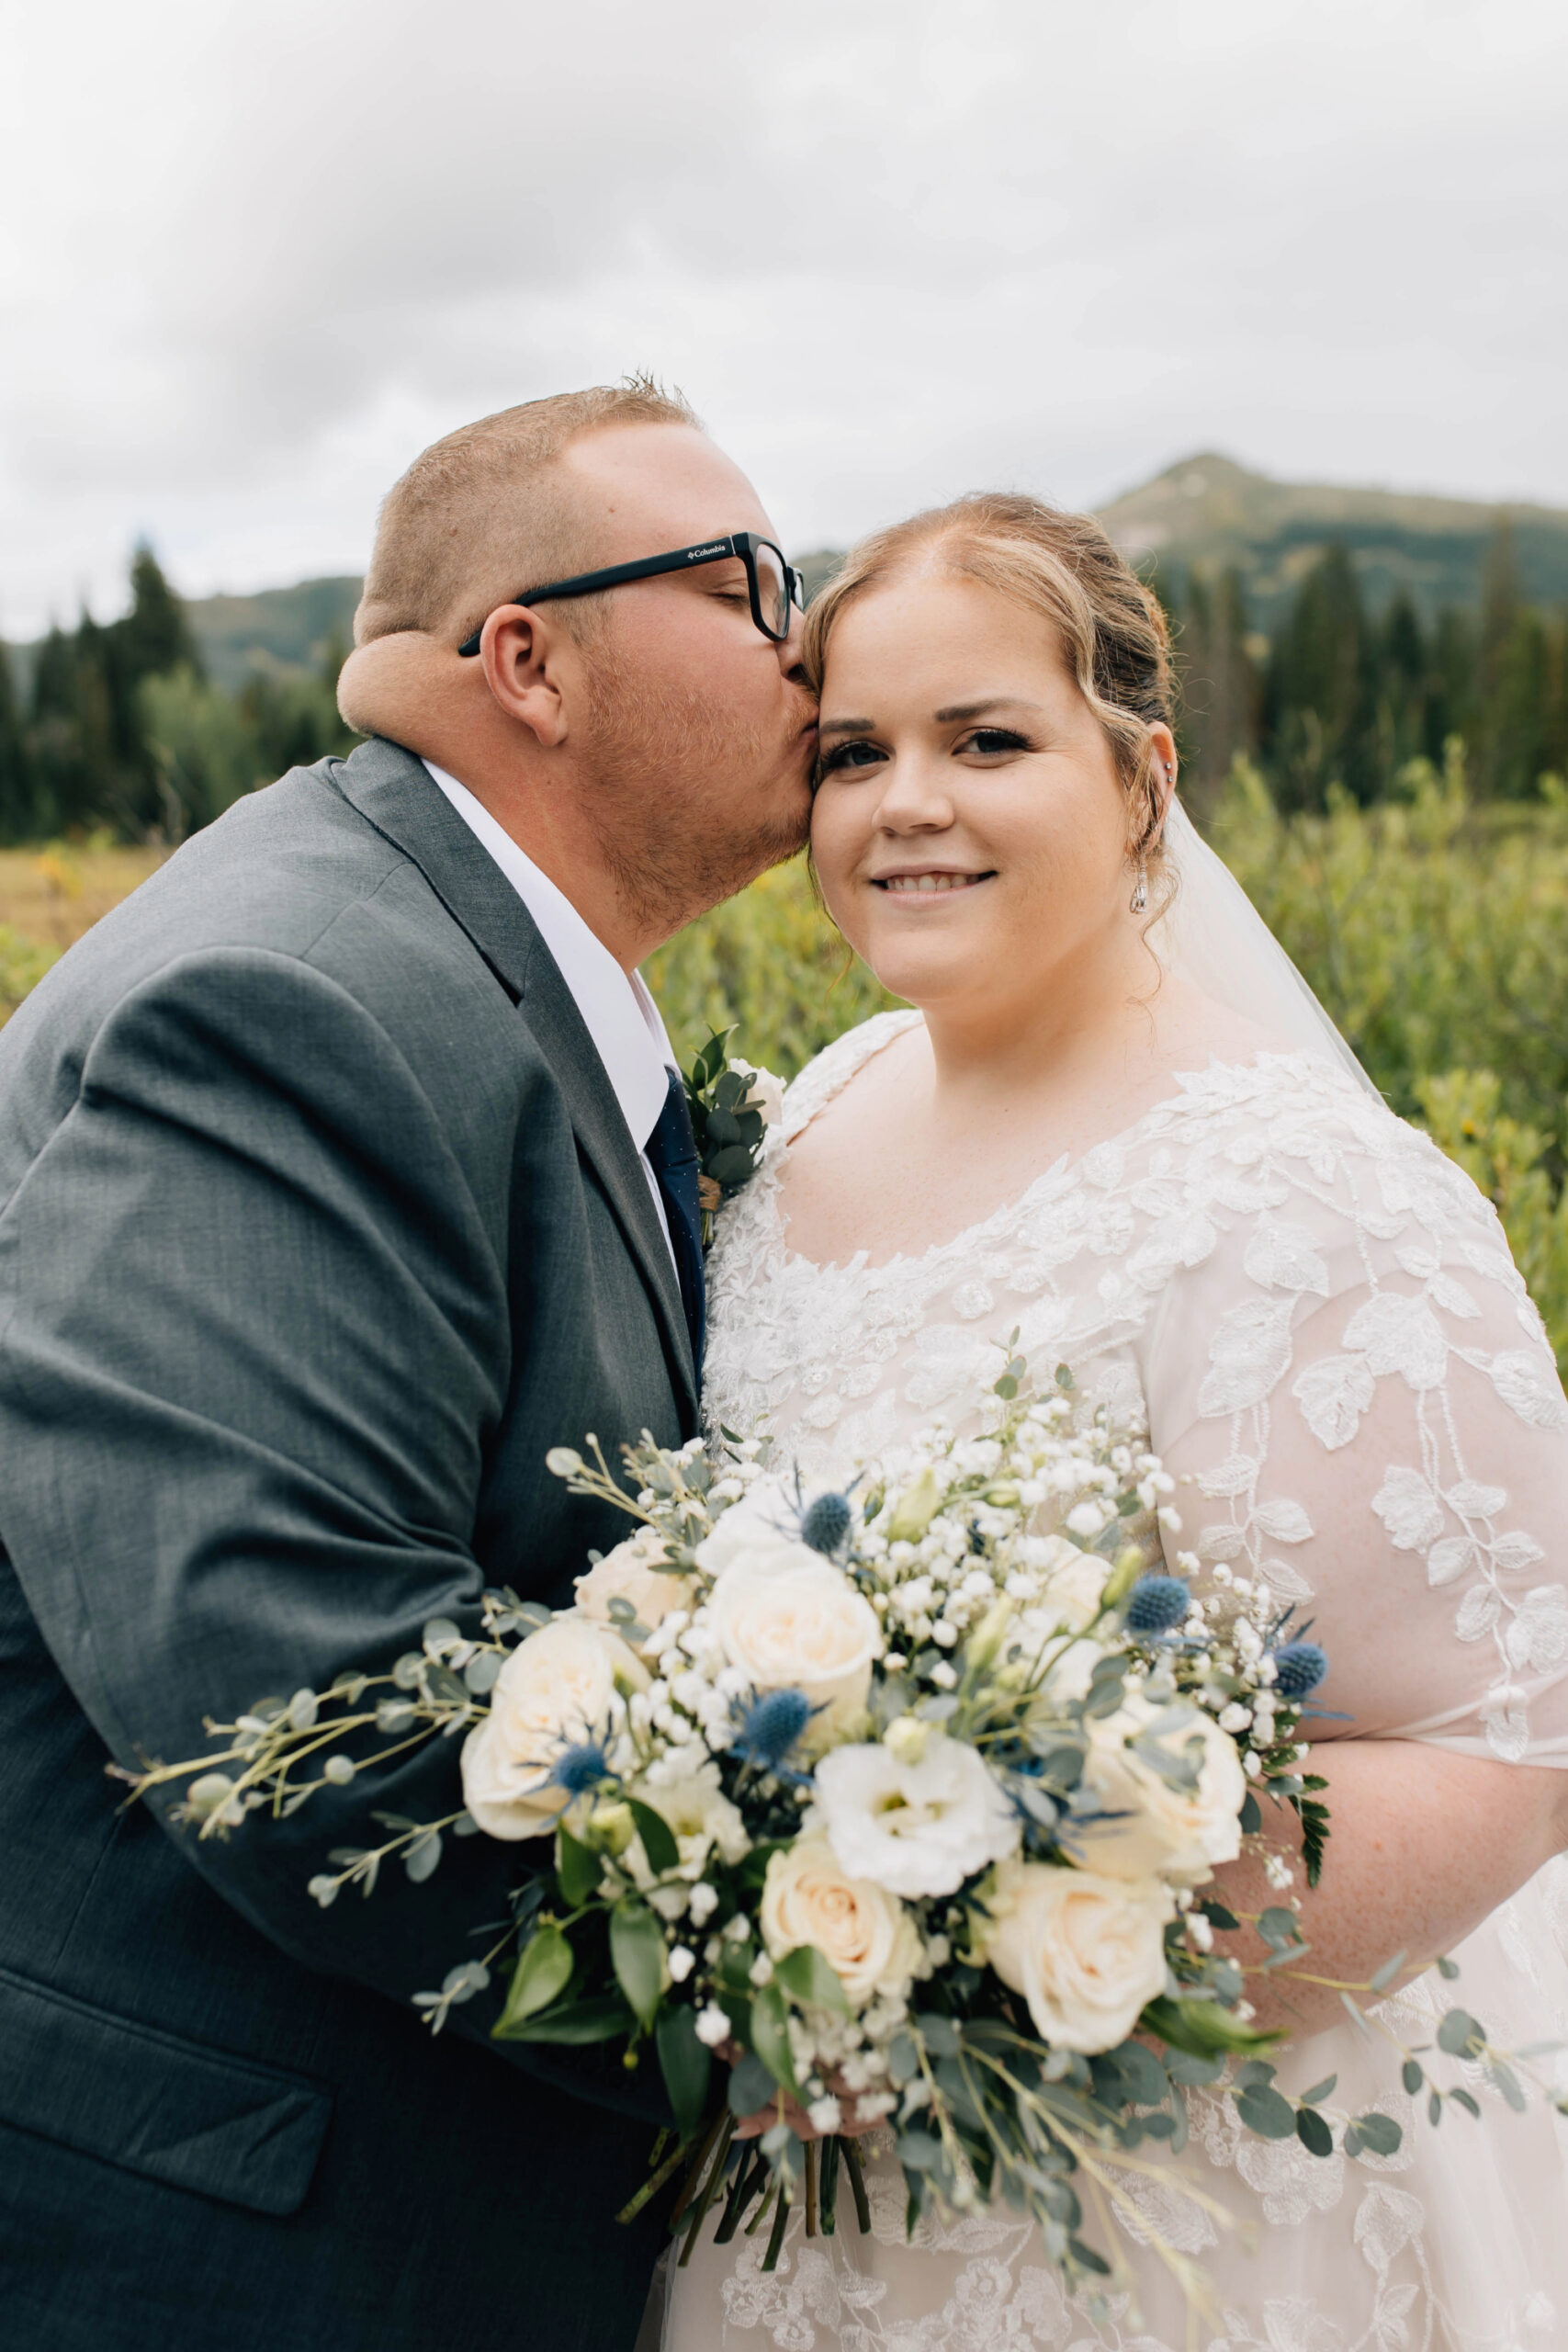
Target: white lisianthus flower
(631, 1572)
(556, 1688)
(1085, 1951)
(913, 1827)
(688, 1797)
(864, 1933)
(1162, 1831)
(800, 1628)
(766, 1094)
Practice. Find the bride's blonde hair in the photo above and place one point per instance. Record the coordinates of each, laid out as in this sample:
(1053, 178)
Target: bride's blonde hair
(1110, 626)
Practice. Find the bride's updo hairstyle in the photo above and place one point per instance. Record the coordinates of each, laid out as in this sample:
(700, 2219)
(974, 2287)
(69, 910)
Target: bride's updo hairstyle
(1110, 627)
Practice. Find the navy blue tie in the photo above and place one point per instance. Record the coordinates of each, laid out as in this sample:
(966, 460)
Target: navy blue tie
(671, 1152)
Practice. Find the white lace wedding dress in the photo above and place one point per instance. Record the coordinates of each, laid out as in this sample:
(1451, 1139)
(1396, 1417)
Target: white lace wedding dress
(1321, 1316)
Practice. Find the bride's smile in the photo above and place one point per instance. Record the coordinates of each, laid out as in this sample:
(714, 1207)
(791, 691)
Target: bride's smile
(970, 828)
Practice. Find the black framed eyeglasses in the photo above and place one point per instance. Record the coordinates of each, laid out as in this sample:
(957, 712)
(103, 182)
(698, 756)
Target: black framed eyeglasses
(772, 585)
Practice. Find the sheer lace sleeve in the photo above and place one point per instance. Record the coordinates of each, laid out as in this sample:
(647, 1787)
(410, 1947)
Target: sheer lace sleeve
(1362, 1393)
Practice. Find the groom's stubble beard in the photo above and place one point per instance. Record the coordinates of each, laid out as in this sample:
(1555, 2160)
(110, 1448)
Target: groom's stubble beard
(686, 805)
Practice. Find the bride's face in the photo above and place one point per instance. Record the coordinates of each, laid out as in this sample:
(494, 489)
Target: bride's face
(970, 828)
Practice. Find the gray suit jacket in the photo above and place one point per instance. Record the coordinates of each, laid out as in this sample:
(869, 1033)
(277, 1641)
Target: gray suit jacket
(319, 1225)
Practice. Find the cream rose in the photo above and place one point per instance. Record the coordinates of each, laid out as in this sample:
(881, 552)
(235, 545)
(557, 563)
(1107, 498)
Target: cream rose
(866, 1934)
(1085, 1951)
(558, 1687)
(800, 1628)
(631, 1573)
(1160, 1831)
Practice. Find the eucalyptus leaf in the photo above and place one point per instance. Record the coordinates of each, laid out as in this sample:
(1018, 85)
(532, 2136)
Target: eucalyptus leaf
(686, 2066)
(809, 1977)
(577, 1870)
(423, 1856)
(637, 1955)
(657, 1838)
(542, 1974)
(1320, 2091)
(1265, 2112)
(1313, 2133)
(1411, 2076)
(1381, 2134)
(601, 2019)
(770, 2036)
(1459, 2035)
(751, 2086)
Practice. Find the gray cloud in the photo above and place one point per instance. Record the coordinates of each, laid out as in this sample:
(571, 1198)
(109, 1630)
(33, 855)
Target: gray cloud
(257, 257)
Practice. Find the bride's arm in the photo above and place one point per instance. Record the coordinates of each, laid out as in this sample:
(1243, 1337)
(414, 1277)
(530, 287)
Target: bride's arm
(1366, 1417)
(1424, 1845)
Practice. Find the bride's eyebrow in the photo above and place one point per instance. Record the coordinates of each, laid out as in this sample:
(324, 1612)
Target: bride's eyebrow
(957, 712)
(847, 727)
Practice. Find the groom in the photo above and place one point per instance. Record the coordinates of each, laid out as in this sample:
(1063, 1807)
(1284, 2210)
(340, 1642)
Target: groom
(340, 1175)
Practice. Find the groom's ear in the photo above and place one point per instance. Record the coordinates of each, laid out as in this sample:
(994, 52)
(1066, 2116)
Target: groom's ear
(527, 665)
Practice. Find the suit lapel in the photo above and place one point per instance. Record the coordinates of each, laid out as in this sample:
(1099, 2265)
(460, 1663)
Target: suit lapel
(394, 792)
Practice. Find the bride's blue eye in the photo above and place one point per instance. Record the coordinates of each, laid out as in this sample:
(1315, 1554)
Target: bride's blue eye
(855, 755)
(992, 740)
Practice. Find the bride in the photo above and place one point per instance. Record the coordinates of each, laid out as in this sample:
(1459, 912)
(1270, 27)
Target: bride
(1116, 1119)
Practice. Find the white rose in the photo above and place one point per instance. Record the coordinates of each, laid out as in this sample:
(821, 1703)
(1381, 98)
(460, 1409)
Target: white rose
(762, 1533)
(689, 1799)
(631, 1573)
(1162, 1831)
(1075, 1585)
(866, 1934)
(766, 1094)
(556, 1688)
(1085, 1951)
(915, 1826)
(803, 1628)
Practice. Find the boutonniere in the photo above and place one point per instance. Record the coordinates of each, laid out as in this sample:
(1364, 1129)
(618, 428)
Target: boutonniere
(732, 1107)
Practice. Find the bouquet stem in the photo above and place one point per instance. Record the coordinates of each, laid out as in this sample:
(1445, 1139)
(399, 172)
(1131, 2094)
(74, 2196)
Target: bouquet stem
(716, 2173)
(781, 2222)
(857, 2185)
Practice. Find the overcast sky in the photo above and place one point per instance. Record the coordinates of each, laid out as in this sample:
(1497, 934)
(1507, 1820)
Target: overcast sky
(253, 257)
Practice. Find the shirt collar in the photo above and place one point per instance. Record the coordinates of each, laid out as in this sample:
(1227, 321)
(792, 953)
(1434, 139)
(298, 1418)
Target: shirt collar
(617, 1010)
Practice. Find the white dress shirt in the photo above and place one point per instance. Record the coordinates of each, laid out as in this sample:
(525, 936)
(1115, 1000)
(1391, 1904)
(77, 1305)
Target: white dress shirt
(617, 1010)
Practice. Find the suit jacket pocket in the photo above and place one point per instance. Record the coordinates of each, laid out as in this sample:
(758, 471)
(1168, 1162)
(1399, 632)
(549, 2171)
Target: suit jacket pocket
(197, 2118)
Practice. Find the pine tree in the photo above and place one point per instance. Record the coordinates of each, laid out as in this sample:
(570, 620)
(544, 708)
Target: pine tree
(1320, 709)
(18, 810)
(155, 634)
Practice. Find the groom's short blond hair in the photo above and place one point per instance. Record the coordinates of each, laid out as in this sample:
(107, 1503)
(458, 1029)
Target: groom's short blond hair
(485, 513)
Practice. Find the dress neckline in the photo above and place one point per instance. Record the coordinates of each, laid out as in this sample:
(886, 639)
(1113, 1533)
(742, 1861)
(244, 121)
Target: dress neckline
(1067, 1168)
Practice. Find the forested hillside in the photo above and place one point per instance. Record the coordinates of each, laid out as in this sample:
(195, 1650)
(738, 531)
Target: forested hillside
(1329, 636)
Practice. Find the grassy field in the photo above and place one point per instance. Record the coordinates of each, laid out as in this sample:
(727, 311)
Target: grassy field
(1435, 931)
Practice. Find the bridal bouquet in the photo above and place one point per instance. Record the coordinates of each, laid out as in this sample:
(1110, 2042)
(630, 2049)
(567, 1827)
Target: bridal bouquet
(896, 1803)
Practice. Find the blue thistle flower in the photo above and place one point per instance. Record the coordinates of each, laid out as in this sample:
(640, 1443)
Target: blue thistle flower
(769, 1726)
(1157, 1604)
(581, 1768)
(826, 1523)
(1298, 1667)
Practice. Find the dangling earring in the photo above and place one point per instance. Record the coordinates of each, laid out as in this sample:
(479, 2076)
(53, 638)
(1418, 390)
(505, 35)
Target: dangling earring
(1138, 903)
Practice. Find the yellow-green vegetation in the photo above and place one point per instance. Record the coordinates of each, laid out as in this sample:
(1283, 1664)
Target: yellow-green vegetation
(1434, 928)
(771, 962)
